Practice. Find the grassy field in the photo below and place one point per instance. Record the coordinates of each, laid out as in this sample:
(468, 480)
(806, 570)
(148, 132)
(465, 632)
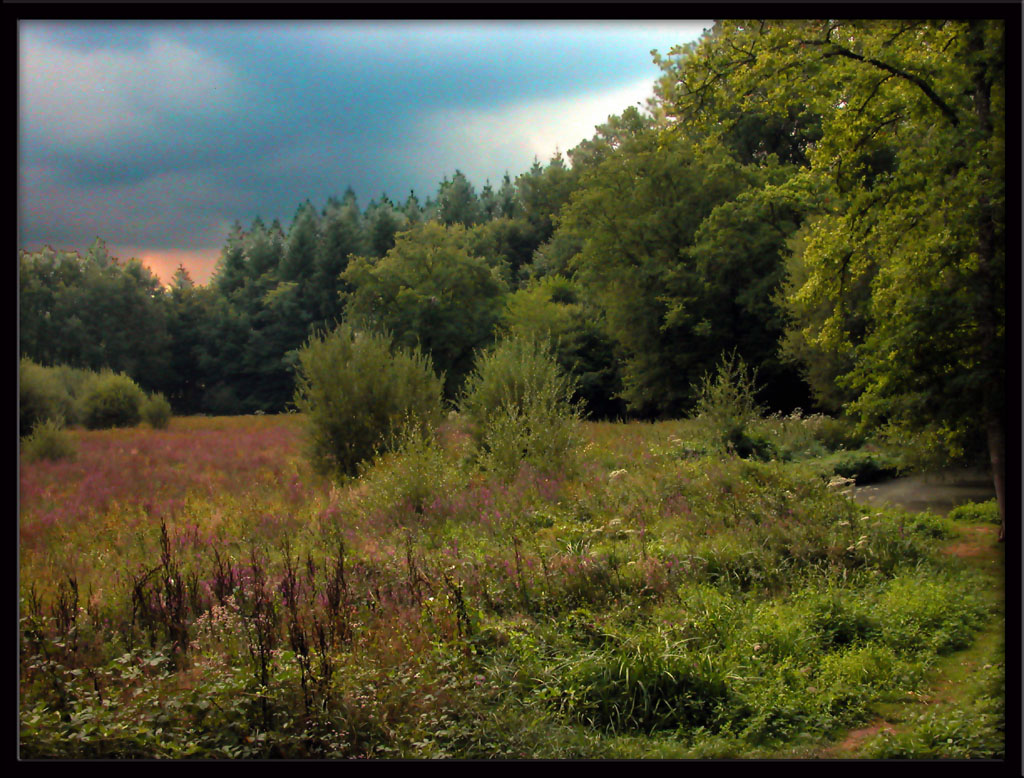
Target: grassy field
(198, 592)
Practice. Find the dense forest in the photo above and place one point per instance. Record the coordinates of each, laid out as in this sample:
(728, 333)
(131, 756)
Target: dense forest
(824, 199)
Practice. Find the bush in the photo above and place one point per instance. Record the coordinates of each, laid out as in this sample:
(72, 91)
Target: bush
(413, 476)
(156, 411)
(838, 433)
(976, 512)
(111, 400)
(48, 441)
(358, 391)
(865, 467)
(727, 410)
(41, 397)
(519, 404)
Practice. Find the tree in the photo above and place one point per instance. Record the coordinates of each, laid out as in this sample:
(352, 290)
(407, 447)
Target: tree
(542, 193)
(637, 214)
(358, 392)
(503, 242)
(341, 237)
(94, 312)
(554, 309)
(430, 291)
(507, 199)
(301, 247)
(910, 228)
(457, 202)
(231, 271)
(383, 222)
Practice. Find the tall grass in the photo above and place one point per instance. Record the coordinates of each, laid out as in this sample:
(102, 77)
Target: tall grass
(201, 592)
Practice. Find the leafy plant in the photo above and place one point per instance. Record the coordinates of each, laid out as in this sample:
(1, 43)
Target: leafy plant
(862, 465)
(727, 408)
(41, 397)
(156, 411)
(976, 512)
(357, 391)
(519, 403)
(48, 441)
(112, 400)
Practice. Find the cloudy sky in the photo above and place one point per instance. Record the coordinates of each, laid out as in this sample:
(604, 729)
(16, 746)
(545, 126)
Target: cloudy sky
(156, 136)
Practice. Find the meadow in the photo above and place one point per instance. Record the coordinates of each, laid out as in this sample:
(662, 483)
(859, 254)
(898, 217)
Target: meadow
(199, 592)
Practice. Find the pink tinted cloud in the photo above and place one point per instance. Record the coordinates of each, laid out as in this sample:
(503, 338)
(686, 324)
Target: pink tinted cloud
(200, 263)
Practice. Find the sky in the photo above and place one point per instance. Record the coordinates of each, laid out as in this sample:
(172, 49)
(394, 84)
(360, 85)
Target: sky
(158, 136)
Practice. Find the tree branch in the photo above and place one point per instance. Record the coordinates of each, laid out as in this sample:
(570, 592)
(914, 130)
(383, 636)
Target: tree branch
(920, 83)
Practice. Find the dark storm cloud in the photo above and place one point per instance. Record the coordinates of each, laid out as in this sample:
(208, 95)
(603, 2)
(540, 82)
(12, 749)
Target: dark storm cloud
(169, 131)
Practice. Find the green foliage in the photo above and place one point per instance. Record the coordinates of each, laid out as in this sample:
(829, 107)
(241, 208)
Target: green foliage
(519, 403)
(862, 465)
(931, 525)
(681, 247)
(156, 411)
(635, 213)
(644, 683)
(429, 291)
(554, 308)
(412, 476)
(74, 310)
(727, 408)
(457, 202)
(799, 437)
(974, 730)
(41, 397)
(976, 512)
(897, 282)
(48, 441)
(111, 400)
(358, 390)
(676, 606)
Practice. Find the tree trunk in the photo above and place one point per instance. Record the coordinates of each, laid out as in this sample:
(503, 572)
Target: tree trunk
(996, 450)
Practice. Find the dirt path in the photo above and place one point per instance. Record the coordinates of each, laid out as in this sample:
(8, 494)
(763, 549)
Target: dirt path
(978, 543)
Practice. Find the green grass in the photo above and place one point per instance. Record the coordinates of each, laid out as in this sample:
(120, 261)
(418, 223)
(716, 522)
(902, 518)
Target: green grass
(199, 592)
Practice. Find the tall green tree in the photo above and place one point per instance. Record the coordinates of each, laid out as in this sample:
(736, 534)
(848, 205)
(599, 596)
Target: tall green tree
(231, 271)
(909, 177)
(94, 312)
(341, 236)
(382, 223)
(637, 214)
(457, 202)
(543, 190)
(301, 247)
(430, 291)
(554, 309)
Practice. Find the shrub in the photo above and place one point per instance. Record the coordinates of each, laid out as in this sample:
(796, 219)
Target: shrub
(412, 476)
(726, 408)
(41, 397)
(111, 400)
(976, 512)
(48, 441)
(74, 380)
(358, 390)
(156, 411)
(863, 466)
(519, 404)
(838, 433)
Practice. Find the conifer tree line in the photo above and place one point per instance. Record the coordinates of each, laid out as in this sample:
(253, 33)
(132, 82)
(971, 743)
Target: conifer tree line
(824, 198)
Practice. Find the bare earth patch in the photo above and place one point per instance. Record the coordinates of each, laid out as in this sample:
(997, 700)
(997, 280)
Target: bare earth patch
(854, 738)
(978, 541)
